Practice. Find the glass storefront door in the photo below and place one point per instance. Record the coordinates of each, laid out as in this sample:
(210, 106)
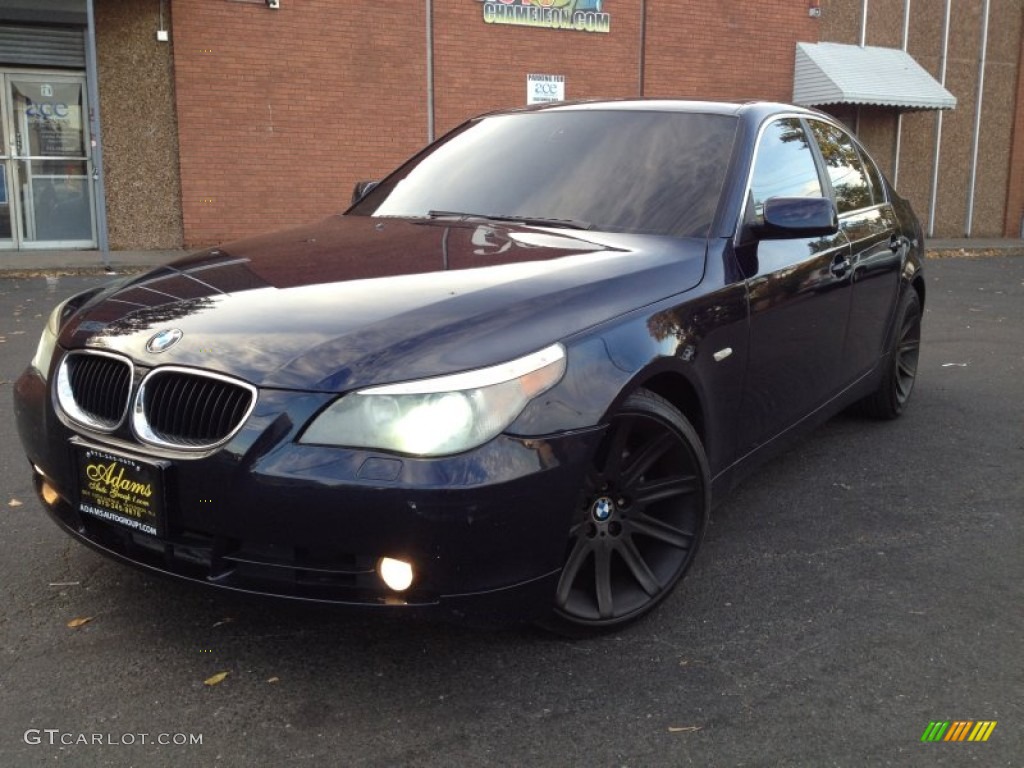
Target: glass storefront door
(46, 194)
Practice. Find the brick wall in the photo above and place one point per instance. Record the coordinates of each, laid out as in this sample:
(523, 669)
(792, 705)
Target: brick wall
(280, 112)
(479, 67)
(736, 50)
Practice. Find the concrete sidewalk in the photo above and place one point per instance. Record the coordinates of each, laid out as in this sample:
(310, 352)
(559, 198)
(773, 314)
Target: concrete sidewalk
(16, 263)
(21, 263)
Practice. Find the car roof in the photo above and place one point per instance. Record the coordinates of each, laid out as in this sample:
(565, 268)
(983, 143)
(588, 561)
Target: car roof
(756, 110)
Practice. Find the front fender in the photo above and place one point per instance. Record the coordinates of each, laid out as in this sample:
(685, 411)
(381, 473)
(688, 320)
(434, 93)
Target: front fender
(690, 349)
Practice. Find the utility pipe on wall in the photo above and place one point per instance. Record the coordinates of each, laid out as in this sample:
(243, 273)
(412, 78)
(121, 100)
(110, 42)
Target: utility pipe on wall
(863, 42)
(938, 125)
(91, 85)
(899, 115)
(977, 120)
(643, 46)
(430, 70)
(906, 24)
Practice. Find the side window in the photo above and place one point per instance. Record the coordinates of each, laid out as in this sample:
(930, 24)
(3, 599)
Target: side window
(784, 166)
(845, 169)
(877, 185)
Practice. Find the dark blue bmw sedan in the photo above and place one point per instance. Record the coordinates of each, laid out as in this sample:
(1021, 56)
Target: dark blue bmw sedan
(507, 383)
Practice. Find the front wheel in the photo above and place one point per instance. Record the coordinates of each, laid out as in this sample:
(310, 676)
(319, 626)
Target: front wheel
(639, 520)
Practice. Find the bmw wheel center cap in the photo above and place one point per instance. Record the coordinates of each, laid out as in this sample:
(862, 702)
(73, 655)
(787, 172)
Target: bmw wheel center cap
(602, 509)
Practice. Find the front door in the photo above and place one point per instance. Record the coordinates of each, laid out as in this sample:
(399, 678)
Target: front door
(799, 294)
(46, 190)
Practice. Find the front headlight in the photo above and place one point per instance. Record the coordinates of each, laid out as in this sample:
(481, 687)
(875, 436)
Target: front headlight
(48, 339)
(435, 417)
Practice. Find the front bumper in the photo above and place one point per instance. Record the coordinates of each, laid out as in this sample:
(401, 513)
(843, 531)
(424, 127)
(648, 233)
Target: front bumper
(485, 531)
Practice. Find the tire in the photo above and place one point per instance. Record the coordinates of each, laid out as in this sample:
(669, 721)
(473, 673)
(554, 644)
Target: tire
(639, 521)
(897, 384)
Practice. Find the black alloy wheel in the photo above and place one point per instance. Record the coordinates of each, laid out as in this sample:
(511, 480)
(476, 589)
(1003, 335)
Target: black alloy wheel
(640, 519)
(889, 400)
(908, 348)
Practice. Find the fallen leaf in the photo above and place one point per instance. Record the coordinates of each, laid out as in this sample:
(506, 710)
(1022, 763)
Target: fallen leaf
(684, 728)
(216, 679)
(13, 503)
(76, 623)
(274, 680)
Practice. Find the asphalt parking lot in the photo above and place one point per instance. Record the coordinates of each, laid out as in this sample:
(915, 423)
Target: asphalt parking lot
(852, 591)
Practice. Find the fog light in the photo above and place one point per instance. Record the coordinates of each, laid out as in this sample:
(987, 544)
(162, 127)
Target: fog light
(397, 574)
(49, 493)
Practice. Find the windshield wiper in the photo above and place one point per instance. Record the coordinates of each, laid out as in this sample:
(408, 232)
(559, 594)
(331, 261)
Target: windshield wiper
(538, 221)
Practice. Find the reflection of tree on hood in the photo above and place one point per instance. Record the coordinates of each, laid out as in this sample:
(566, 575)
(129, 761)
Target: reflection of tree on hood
(148, 318)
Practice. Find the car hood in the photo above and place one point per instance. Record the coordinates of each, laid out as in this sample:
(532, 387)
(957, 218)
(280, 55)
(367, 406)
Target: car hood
(355, 300)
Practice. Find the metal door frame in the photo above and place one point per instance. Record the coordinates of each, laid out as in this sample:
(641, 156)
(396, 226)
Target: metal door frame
(13, 161)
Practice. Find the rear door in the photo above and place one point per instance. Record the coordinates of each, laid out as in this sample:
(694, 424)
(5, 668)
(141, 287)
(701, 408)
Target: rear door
(867, 218)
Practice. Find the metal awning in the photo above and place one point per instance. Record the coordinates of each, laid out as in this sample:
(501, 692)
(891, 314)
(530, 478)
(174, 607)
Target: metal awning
(833, 73)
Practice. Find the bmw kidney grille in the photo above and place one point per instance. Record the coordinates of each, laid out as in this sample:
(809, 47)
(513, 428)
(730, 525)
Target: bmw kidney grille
(174, 407)
(94, 389)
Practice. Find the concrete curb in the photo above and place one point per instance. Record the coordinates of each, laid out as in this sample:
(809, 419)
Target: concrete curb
(973, 253)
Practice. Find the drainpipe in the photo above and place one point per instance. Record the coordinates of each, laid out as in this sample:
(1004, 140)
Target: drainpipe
(906, 24)
(430, 71)
(938, 125)
(977, 121)
(863, 42)
(93, 91)
(643, 46)
(899, 115)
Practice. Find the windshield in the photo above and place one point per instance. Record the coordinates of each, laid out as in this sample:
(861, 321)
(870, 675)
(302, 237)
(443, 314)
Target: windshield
(622, 171)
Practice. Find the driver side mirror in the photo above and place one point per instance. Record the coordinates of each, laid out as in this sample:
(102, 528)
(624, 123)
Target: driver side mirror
(361, 189)
(785, 217)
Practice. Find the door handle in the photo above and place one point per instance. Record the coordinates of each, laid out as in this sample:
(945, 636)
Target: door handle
(840, 266)
(897, 243)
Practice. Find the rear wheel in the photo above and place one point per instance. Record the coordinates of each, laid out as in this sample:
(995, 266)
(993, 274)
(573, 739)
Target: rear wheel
(639, 521)
(889, 400)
